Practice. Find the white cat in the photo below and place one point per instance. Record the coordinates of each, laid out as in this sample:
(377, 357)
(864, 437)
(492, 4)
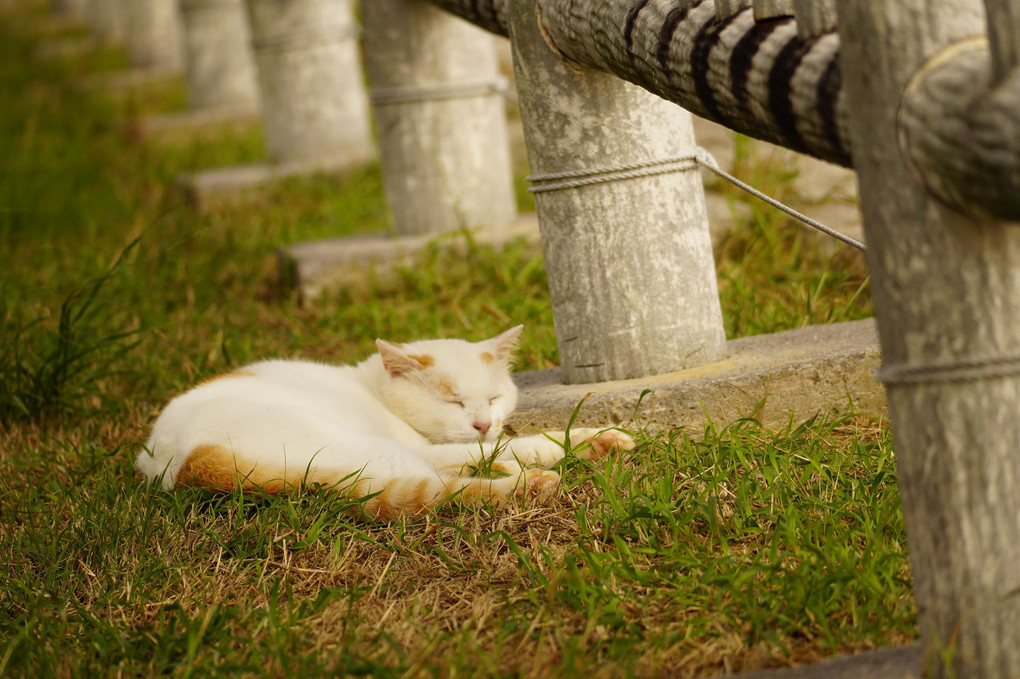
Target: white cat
(406, 426)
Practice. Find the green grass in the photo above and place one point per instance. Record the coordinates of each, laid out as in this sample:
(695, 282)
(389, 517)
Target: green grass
(705, 551)
(725, 550)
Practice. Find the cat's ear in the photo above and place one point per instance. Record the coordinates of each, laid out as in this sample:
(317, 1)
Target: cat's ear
(503, 346)
(397, 361)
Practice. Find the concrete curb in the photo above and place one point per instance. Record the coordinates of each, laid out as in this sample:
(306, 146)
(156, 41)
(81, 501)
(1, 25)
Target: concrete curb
(792, 374)
(234, 184)
(198, 120)
(899, 662)
(320, 265)
(131, 79)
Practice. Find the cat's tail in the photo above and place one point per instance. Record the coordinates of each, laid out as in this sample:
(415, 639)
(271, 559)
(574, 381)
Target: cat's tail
(219, 469)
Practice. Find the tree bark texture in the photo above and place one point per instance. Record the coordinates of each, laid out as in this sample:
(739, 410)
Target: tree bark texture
(218, 57)
(961, 131)
(488, 14)
(440, 116)
(629, 260)
(758, 78)
(1004, 35)
(152, 35)
(724, 9)
(314, 102)
(778, 79)
(814, 17)
(772, 9)
(946, 291)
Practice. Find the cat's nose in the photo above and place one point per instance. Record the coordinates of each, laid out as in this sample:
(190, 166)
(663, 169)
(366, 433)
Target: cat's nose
(482, 426)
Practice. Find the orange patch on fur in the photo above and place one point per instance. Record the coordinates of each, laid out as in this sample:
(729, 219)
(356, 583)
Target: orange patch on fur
(421, 497)
(215, 468)
(445, 387)
(487, 357)
(425, 360)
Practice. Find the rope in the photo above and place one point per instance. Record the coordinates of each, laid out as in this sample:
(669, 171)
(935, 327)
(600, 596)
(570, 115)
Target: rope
(572, 179)
(940, 372)
(308, 37)
(706, 160)
(438, 91)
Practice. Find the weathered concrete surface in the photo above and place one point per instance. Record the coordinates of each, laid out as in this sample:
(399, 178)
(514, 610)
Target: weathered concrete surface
(445, 157)
(198, 120)
(218, 55)
(901, 662)
(153, 36)
(230, 185)
(321, 265)
(615, 250)
(796, 373)
(128, 80)
(314, 105)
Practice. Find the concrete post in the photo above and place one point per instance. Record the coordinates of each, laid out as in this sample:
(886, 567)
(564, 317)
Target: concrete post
(946, 291)
(626, 239)
(217, 52)
(440, 117)
(152, 34)
(107, 18)
(313, 99)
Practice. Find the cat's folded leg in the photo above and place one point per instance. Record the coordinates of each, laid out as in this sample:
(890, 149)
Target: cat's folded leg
(548, 449)
(483, 468)
(543, 450)
(600, 442)
(516, 481)
(506, 467)
(456, 457)
(410, 496)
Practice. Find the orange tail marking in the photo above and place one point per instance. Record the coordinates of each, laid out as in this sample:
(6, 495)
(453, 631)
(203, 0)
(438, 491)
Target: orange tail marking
(217, 469)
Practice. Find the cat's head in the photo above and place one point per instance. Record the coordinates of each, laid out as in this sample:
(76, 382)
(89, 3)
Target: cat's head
(448, 390)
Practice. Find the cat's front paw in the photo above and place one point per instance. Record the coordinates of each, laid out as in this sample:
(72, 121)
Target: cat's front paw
(538, 483)
(602, 442)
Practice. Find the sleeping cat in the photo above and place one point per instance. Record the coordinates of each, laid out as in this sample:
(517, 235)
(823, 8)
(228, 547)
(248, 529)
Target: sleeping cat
(405, 427)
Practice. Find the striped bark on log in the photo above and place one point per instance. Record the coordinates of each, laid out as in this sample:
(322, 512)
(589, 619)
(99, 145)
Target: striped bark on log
(758, 78)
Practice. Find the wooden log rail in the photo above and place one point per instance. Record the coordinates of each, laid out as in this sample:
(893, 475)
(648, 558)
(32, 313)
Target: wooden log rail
(763, 78)
(765, 74)
(960, 128)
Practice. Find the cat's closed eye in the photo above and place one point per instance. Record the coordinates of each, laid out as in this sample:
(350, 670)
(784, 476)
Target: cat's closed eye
(460, 404)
